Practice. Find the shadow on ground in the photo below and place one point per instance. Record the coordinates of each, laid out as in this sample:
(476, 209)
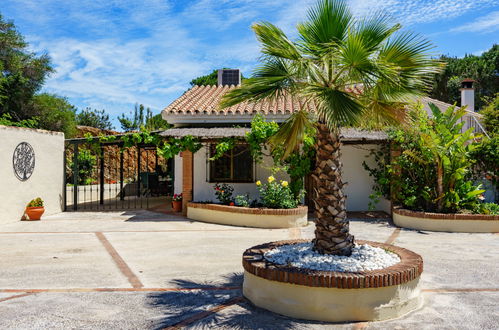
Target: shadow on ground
(183, 308)
(153, 216)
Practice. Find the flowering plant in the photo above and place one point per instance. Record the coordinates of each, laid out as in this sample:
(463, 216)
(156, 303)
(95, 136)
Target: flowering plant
(37, 202)
(276, 195)
(224, 193)
(177, 197)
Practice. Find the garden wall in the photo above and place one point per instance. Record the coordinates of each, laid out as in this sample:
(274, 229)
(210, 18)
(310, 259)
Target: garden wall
(46, 180)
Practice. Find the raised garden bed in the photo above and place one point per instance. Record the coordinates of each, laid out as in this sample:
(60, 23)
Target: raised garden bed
(333, 296)
(463, 223)
(248, 217)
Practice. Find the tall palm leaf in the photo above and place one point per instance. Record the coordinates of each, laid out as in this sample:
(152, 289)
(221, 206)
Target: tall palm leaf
(348, 71)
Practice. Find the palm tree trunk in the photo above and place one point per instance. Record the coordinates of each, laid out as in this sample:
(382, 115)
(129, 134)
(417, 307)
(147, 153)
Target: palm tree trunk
(331, 229)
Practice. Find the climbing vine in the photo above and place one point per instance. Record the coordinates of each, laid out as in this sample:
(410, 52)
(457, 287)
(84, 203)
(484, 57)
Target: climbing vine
(172, 147)
(297, 165)
(223, 146)
(166, 147)
(261, 131)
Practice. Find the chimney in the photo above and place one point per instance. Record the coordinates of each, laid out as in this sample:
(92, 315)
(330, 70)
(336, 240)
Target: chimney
(229, 77)
(468, 94)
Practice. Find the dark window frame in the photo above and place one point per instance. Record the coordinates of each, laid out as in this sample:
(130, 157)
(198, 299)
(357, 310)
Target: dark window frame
(212, 163)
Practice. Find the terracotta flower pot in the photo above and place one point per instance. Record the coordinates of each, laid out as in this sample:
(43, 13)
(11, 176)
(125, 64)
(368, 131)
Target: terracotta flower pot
(177, 206)
(35, 213)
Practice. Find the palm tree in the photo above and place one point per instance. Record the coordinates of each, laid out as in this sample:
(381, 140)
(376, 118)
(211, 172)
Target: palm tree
(348, 72)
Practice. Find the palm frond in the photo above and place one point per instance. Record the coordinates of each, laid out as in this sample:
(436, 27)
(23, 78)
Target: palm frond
(410, 54)
(328, 21)
(335, 107)
(271, 80)
(292, 132)
(375, 30)
(274, 42)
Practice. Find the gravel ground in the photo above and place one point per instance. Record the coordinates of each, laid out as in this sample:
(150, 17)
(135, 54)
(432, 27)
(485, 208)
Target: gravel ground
(364, 258)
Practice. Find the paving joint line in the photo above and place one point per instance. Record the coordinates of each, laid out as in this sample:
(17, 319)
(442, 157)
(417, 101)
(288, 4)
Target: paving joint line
(202, 315)
(17, 296)
(118, 260)
(393, 236)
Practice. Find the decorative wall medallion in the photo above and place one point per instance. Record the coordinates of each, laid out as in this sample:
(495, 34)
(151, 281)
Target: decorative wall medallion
(23, 161)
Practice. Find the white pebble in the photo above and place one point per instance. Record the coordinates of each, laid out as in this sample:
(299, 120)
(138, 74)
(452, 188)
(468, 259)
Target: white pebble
(364, 258)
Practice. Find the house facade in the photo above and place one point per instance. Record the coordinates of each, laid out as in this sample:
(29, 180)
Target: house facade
(197, 113)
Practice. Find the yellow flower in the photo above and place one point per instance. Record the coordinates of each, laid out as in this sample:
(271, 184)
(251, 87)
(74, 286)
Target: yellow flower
(271, 179)
(284, 183)
(259, 183)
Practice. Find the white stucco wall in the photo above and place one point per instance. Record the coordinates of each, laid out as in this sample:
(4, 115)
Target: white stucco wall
(203, 190)
(48, 176)
(358, 189)
(359, 182)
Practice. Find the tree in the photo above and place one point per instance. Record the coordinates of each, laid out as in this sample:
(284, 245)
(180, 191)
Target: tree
(209, 79)
(156, 122)
(134, 121)
(54, 113)
(6, 120)
(484, 69)
(94, 118)
(142, 119)
(344, 70)
(491, 116)
(22, 73)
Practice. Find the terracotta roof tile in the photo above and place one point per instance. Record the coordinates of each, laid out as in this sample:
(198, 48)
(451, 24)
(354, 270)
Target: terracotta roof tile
(206, 99)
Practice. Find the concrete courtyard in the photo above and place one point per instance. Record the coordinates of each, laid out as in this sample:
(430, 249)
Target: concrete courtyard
(146, 270)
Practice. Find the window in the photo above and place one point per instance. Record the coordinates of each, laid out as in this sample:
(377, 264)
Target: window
(235, 165)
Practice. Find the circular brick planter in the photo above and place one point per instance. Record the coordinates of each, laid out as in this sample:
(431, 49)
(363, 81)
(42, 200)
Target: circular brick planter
(248, 217)
(333, 296)
(463, 223)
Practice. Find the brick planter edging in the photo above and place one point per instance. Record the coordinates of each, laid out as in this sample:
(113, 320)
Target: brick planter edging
(409, 268)
(444, 216)
(300, 210)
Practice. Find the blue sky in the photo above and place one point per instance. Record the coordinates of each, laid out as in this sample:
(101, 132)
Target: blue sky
(111, 54)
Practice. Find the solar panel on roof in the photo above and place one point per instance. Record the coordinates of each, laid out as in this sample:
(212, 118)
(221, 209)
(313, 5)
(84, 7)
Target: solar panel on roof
(229, 77)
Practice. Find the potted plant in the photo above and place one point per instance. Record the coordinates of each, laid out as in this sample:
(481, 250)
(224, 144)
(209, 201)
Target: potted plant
(177, 202)
(35, 209)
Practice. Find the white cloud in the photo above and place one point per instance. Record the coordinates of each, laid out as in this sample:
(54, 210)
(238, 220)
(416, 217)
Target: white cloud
(111, 54)
(487, 23)
(407, 12)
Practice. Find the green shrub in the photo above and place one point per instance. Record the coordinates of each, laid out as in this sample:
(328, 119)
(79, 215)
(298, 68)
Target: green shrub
(491, 116)
(488, 208)
(7, 120)
(432, 173)
(242, 200)
(224, 193)
(486, 159)
(276, 195)
(37, 202)
(86, 167)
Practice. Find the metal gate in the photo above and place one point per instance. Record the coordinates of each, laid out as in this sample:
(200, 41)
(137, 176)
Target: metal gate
(106, 176)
